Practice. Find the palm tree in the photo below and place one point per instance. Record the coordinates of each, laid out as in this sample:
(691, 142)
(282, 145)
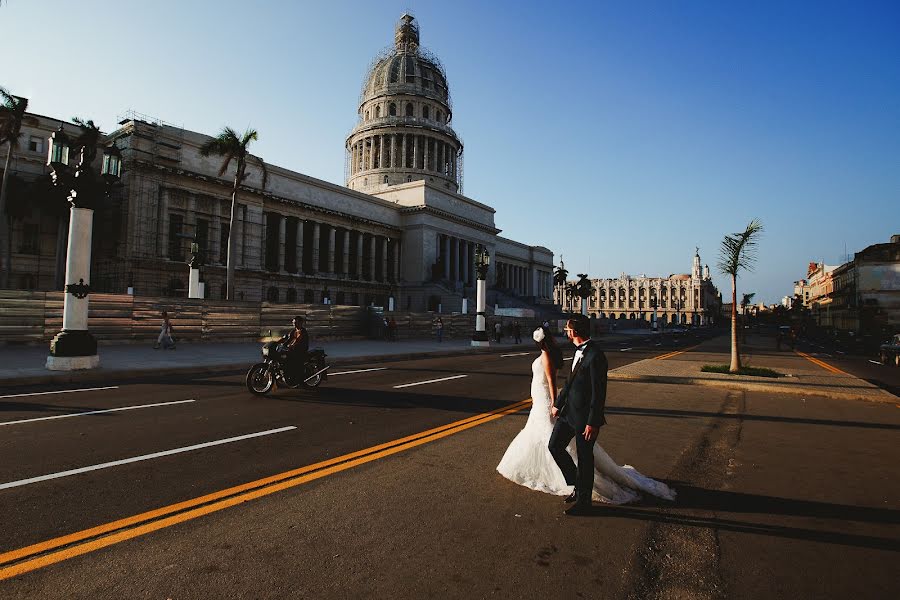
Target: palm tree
(584, 290)
(559, 278)
(228, 145)
(738, 251)
(12, 117)
(88, 141)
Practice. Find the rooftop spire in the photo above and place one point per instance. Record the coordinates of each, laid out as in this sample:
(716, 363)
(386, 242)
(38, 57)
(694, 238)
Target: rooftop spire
(406, 36)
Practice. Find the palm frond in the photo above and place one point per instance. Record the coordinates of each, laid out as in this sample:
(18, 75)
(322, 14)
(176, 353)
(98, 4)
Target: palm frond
(738, 250)
(262, 167)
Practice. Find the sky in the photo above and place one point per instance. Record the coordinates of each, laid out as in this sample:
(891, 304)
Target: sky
(620, 135)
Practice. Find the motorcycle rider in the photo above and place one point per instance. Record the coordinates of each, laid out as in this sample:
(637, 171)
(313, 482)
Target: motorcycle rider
(297, 347)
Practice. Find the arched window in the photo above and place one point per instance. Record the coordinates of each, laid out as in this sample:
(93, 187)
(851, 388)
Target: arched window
(272, 294)
(425, 112)
(377, 112)
(291, 296)
(408, 178)
(392, 109)
(409, 109)
(437, 116)
(385, 178)
(367, 115)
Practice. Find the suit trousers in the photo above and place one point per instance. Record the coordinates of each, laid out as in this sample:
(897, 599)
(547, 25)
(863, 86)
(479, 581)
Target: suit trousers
(582, 476)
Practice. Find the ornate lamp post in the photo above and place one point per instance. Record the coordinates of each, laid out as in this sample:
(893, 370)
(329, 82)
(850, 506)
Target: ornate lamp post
(482, 263)
(74, 347)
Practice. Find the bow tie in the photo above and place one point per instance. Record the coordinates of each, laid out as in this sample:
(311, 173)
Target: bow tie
(581, 347)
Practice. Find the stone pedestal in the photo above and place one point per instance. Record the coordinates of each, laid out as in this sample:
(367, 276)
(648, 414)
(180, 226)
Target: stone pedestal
(481, 337)
(195, 289)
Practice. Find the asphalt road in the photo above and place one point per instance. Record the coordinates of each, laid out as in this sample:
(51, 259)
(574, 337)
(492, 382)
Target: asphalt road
(781, 496)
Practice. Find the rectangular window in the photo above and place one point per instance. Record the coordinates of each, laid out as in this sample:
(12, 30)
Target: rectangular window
(35, 144)
(176, 225)
(31, 239)
(202, 237)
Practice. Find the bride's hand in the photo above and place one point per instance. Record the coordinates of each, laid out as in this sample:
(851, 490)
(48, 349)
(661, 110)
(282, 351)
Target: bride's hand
(553, 411)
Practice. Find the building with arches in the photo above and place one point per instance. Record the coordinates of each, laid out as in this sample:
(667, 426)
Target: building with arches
(679, 299)
(398, 233)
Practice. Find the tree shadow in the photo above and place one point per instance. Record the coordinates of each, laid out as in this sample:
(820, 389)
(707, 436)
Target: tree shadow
(690, 497)
(682, 414)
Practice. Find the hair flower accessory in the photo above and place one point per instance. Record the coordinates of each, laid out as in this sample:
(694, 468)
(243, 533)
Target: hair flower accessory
(538, 335)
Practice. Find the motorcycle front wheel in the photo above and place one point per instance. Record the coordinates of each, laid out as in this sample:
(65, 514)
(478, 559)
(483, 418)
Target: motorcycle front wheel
(260, 379)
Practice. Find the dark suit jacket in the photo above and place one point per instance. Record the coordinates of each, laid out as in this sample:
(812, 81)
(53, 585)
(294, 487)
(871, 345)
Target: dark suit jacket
(583, 399)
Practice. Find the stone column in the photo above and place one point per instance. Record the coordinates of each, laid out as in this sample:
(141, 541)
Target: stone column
(403, 150)
(425, 155)
(359, 254)
(446, 257)
(300, 245)
(346, 257)
(415, 152)
(396, 260)
(454, 259)
(331, 234)
(384, 259)
(282, 235)
(393, 151)
(315, 248)
(465, 263)
(372, 258)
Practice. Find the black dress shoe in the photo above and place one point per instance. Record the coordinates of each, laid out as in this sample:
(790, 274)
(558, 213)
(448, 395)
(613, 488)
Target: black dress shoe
(572, 497)
(579, 510)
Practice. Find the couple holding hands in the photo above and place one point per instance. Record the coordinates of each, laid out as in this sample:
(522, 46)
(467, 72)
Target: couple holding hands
(563, 426)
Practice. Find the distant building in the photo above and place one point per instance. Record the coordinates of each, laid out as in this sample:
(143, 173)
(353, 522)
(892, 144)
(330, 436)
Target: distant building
(679, 298)
(863, 295)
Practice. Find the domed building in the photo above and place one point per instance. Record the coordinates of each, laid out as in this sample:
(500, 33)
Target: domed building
(396, 233)
(404, 131)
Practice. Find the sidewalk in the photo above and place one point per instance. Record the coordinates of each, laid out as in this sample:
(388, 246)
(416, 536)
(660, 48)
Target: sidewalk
(25, 365)
(801, 376)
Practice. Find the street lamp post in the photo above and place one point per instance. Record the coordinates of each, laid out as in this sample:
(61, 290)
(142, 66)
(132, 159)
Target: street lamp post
(482, 263)
(74, 347)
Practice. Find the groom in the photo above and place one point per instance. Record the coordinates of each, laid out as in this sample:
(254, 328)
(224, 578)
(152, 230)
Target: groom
(579, 411)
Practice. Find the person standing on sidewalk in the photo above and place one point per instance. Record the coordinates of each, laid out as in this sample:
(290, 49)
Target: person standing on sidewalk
(166, 338)
(517, 331)
(439, 329)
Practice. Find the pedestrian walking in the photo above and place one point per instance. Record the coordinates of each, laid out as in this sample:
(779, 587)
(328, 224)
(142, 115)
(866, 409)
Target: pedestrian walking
(498, 331)
(166, 339)
(439, 329)
(392, 329)
(517, 332)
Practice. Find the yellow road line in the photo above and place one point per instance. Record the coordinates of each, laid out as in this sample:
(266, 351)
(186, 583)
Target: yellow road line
(36, 556)
(675, 353)
(821, 363)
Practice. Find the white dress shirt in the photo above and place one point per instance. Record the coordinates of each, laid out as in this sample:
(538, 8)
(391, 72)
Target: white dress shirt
(579, 353)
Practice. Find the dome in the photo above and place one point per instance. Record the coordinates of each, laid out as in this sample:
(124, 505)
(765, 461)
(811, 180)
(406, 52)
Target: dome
(403, 133)
(406, 68)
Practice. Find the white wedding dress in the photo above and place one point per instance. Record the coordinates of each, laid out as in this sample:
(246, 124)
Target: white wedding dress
(528, 462)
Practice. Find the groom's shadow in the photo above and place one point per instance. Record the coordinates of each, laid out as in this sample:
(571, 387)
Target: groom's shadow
(691, 497)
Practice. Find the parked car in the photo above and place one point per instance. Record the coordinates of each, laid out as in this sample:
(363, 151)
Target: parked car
(890, 351)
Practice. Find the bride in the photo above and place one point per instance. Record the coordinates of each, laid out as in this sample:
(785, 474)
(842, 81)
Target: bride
(528, 462)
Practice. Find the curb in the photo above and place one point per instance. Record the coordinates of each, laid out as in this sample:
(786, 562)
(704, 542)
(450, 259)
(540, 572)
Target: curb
(879, 394)
(99, 375)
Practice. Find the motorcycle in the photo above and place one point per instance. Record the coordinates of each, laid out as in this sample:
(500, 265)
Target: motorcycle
(264, 376)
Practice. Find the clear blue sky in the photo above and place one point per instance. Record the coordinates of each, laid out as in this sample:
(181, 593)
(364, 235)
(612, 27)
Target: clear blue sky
(617, 134)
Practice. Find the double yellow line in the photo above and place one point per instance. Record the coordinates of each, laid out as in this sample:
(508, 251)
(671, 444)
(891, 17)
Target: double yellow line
(821, 363)
(36, 556)
(675, 353)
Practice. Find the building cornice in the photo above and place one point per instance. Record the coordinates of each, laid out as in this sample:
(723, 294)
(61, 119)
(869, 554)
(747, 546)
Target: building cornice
(449, 217)
(149, 166)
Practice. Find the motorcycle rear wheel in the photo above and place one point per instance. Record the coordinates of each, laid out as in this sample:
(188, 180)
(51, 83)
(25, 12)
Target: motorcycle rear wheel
(260, 379)
(315, 381)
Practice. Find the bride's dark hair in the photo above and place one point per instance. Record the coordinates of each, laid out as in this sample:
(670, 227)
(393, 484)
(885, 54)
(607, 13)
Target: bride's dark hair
(549, 344)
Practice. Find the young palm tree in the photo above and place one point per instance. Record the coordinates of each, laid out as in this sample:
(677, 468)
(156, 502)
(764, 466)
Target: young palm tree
(738, 251)
(584, 290)
(233, 148)
(12, 117)
(559, 279)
